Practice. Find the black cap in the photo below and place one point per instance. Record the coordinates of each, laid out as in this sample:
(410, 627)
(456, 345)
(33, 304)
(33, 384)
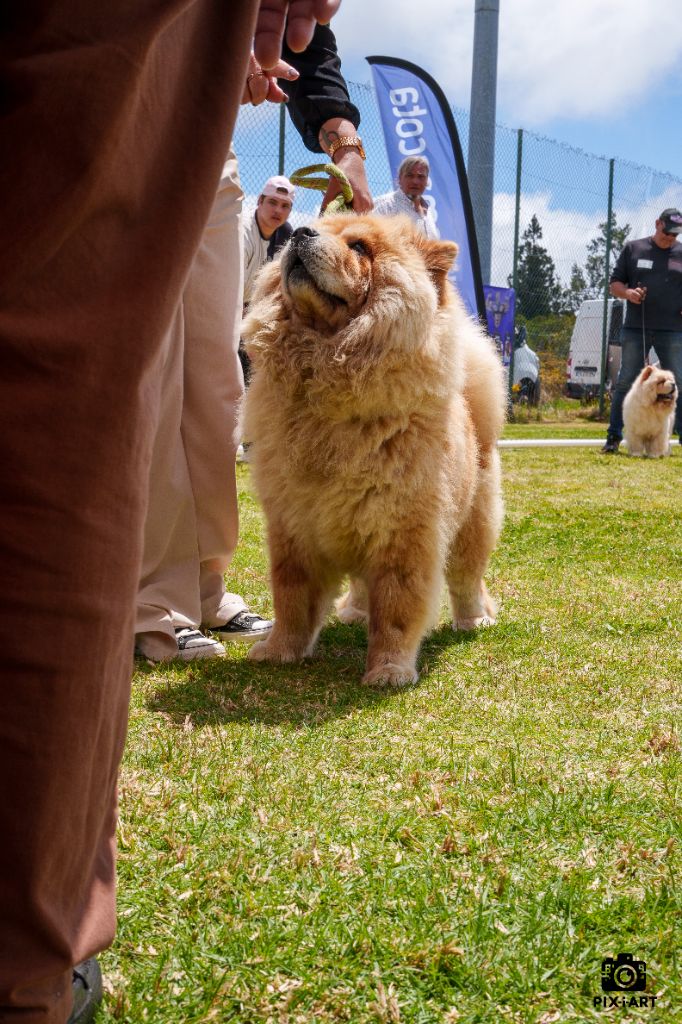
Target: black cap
(672, 221)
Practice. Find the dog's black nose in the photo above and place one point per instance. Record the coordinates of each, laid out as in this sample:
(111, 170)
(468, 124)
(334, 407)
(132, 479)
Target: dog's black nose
(301, 233)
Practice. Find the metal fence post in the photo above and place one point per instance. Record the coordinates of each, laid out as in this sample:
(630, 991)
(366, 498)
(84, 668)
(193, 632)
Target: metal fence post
(282, 134)
(515, 263)
(481, 152)
(607, 264)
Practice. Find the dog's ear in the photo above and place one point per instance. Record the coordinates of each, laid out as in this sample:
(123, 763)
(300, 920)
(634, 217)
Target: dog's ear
(439, 258)
(647, 371)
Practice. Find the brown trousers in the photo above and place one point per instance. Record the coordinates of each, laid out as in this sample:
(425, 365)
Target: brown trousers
(116, 119)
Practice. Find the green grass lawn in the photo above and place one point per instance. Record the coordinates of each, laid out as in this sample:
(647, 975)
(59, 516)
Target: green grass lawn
(295, 848)
(569, 428)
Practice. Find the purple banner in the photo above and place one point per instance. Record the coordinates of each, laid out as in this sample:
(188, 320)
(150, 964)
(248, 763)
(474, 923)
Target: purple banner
(500, 308)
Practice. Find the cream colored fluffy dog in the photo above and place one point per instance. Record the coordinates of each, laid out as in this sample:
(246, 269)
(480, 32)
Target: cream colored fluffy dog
(649, 411)
(374, 411)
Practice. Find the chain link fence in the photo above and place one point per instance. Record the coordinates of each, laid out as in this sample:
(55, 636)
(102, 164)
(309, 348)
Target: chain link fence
(550, 210)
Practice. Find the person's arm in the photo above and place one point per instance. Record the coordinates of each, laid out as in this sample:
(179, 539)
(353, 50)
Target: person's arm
(619, 290)
(385, 204)
(251, 265)
(349, 159)
(322, 112)
(619, 285)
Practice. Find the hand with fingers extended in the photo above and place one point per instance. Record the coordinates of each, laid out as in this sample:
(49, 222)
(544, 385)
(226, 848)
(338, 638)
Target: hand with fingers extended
(299, 17)
(262, 86)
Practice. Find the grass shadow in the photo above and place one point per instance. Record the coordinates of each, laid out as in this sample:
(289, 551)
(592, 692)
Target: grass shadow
(305, 695)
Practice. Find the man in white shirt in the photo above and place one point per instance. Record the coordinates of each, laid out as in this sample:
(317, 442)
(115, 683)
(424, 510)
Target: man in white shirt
(269, 228)
(264, 235)
(408, 198)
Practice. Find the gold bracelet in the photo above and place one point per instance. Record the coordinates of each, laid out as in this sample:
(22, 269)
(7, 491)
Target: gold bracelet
(351, 141)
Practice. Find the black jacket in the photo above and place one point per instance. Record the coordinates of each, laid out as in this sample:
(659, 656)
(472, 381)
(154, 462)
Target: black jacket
(321, 91)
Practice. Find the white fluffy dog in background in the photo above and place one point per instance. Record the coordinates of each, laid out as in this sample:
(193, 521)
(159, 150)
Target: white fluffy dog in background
(649, 411)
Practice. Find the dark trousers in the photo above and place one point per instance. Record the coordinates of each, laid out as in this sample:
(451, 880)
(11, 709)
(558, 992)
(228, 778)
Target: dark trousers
(668, 346)
(116, 121)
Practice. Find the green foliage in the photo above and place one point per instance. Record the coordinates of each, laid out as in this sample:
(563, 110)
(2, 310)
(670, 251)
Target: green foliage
(538, 291)
(595, 264)
(576, 293)
(297, 849)
(550, 333)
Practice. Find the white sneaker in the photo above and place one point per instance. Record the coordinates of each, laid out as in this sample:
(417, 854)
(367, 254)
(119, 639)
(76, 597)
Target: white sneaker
(193, 644)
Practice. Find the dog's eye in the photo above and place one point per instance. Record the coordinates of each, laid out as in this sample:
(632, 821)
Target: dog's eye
(359, 247)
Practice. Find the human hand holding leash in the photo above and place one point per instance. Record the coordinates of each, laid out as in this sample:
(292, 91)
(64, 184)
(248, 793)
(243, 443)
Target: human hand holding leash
(349, 158)
(636, 295)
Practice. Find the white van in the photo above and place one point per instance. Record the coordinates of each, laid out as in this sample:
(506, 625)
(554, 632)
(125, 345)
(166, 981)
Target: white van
(583, 367)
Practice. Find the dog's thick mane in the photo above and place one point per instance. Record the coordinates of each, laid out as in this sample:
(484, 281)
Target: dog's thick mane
(344, 369)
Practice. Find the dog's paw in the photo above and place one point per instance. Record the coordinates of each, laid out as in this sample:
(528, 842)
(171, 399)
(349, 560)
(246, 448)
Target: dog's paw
(397, 676)
(259, 651)
(349, 611)
(467, 625)
(263, 650)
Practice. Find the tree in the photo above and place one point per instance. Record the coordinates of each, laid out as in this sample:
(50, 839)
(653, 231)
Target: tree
(538, 291)
(595, 264)
(576, 292)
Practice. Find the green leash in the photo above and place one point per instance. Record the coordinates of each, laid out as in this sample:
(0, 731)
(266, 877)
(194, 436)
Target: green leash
(342, 202)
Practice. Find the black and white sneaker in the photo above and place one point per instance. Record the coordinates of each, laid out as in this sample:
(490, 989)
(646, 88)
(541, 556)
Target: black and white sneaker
(244, 626)
(193, 644)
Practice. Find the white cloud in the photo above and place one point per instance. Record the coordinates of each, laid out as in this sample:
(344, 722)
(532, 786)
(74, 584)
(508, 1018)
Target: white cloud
(583, 59)
(565, 233)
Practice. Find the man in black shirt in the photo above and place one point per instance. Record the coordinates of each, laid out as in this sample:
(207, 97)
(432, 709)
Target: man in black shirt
(648, 274)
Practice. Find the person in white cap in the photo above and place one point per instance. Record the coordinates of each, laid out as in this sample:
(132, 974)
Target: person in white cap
(269, 228)
(264, 235)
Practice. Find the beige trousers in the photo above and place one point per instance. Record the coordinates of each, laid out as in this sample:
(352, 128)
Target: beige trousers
(192, 520)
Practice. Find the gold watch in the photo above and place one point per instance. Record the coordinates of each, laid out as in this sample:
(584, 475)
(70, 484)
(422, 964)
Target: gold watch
(349, 141)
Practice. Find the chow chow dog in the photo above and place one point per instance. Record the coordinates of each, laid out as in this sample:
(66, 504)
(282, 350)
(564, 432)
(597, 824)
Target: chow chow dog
(649, 411)
(374, 411)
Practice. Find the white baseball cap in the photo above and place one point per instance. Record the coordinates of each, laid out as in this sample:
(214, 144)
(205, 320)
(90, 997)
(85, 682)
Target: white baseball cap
(278, 184)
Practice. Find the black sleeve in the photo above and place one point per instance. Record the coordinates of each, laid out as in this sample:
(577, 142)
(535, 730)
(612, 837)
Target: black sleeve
(620, 272)
(321, 91)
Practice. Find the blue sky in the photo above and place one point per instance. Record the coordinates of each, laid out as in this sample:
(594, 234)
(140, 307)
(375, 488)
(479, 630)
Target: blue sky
(604, 76)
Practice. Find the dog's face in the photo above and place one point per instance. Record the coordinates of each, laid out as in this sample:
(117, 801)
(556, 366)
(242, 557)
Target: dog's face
(347, 265)
(658, 387)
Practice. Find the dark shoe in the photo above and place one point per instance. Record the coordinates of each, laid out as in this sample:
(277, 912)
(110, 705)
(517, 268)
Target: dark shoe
(192, 644)
(611, 447)
(245, 626)
(87, 992)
